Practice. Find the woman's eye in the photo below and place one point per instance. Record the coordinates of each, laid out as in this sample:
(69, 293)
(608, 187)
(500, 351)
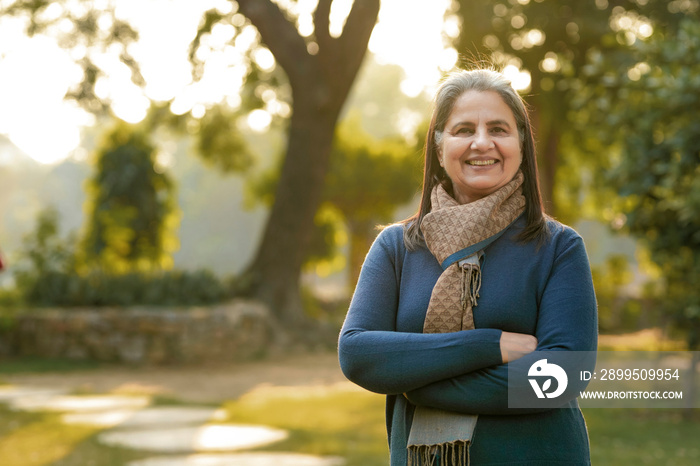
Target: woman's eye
(464, 131)
(498, 129)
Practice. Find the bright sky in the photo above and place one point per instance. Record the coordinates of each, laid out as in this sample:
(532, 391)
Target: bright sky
(35, 73)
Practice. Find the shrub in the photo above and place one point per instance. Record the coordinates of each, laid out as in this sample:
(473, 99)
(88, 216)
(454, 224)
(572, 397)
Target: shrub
(171, 288)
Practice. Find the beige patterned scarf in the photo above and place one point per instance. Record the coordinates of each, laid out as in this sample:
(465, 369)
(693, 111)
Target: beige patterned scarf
(456, 235)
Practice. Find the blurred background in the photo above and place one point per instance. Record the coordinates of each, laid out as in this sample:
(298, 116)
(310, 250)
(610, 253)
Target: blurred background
(166, 155)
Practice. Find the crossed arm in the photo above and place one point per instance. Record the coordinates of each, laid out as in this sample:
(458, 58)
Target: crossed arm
(462, 371)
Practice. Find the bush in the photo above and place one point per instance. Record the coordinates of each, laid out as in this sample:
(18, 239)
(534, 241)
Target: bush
(172, 288)
(46, 275)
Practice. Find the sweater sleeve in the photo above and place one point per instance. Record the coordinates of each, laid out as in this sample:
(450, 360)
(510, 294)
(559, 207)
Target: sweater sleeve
(567, 321)
(375, 356)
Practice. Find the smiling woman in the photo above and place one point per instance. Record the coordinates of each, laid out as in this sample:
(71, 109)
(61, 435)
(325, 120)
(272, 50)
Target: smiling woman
(472, 286)
(480, 146)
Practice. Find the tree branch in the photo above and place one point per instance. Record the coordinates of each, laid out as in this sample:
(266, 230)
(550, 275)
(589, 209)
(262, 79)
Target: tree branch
(352, 44)
(280, 36)
(322, 24)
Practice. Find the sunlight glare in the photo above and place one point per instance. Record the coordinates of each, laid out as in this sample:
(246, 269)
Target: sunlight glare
(31, 97)
(340, 9)
(409, 35)
(264, 59)
(520, 80)
(34, 114)
(130, 105)
(448, 59)
(259, 120)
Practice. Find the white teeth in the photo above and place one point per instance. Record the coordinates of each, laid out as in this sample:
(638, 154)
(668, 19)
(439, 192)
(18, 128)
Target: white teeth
(481, 162)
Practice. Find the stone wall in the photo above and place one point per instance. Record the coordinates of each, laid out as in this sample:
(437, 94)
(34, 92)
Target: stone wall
(235, 331)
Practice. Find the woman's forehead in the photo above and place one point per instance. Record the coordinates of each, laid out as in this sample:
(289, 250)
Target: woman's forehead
(481, 106)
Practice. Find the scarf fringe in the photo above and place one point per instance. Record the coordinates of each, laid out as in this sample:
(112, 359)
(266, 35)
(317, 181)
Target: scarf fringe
(446, 454)
(471, 284)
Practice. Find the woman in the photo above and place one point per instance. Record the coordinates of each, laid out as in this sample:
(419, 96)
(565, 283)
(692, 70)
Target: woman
(478, 278)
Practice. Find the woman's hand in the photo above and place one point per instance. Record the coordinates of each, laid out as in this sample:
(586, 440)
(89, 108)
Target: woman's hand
(516, 345)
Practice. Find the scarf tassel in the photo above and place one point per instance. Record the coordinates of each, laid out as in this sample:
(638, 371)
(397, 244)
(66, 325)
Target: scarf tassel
(471, 284)
(455, 453)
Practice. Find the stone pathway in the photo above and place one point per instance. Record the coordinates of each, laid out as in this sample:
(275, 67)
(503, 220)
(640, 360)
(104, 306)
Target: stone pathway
(189, 434)
(241, 459)
(193, 439)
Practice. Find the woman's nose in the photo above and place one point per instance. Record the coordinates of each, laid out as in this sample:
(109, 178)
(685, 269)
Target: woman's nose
(482, 140)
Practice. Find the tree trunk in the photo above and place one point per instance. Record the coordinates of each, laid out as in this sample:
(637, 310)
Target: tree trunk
(320, 82)
(549, 158)
(276, 269)
(547, 135)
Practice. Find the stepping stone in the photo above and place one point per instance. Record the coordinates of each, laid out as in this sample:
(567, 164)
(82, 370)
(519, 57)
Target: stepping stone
(78, 403)
(207, 438)
(8, 393)
(241, 459)
(157, 416)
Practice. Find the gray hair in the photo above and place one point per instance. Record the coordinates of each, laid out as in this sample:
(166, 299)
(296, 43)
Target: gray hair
(452, 87)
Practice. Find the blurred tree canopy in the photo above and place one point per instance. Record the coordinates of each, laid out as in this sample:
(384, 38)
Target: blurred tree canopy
(367, 180)
(652, 116)
(319, 68)
(88, 31)
(132, 215)
(44, 249)
(558, 42)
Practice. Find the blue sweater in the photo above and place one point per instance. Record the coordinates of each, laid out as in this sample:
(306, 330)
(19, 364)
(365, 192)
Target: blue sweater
(546, 292)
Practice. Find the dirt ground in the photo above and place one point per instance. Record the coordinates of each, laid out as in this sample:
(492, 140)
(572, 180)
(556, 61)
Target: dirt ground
(197, 384)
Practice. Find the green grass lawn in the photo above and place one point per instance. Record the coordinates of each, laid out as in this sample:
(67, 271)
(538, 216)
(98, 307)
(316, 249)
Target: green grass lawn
(341, 422)
(621, 437)
(338, 421)
(326, 422)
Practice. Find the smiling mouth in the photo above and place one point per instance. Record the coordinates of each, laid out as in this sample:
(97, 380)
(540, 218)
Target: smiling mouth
(480, 163)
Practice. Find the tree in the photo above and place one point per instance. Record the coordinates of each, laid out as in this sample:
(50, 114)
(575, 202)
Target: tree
(132, 214)
(320, 71)
(367, 180)
(558, 42)
(45, 255)
(656, 117)
(86, 29)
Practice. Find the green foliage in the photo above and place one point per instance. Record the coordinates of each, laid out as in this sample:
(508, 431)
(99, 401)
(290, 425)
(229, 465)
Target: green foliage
(617, 310)
(654, 117)
(132, 215)
(47, 276)
(220, 143)
(170, 288)
(366, 182)
(582, 48)
(43, 252)
(368, 179)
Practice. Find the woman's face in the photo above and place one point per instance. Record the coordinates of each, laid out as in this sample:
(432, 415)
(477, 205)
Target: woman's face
(480, 148)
